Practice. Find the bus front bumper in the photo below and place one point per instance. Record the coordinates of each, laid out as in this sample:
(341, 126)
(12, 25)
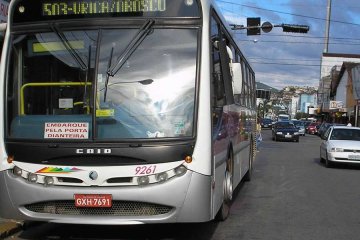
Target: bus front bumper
(184, 199)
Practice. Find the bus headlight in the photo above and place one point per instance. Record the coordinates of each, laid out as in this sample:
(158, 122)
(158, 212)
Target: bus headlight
(17, 171)
(180, 170)
(162, 177)
(32, 177)
(48, 181)
(143, 180)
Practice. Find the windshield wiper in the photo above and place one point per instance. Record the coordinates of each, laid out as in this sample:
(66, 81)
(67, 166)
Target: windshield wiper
(107, 75)
(131, 47)
(135, 42)
(68, 47)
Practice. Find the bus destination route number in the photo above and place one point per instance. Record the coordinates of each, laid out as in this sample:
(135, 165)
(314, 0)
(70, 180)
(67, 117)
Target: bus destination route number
(89, 7)
(93, 200)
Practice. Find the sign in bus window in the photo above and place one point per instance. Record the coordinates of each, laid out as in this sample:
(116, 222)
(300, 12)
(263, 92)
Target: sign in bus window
(40, 47)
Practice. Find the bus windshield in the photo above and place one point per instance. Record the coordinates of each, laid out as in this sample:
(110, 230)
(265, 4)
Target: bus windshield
(57, 81)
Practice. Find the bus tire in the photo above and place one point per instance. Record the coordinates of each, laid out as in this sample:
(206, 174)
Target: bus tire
(224, 210)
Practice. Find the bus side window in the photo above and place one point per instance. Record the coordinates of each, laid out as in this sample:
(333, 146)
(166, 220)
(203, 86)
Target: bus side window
(217, 82)
(217, 77)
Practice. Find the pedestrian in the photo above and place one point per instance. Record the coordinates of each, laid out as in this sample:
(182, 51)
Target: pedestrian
(258, 135)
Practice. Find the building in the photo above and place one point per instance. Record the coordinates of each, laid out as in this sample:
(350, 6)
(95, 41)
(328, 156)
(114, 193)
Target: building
(331, 64)
(345, 94)
(306, 102)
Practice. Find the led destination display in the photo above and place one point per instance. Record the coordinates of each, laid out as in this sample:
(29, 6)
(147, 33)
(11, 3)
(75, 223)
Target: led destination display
(26, 11)
(88, 7)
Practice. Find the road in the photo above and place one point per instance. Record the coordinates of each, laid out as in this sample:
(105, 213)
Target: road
(292, 196)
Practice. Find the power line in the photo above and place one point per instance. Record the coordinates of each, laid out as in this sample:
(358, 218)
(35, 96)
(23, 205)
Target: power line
(274, 60)
(299, 36)
(302, 42)
(287, 13)
(285, 59)
(291, 64)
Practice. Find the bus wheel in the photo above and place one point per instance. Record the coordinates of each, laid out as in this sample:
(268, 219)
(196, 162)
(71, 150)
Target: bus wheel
(228, 191)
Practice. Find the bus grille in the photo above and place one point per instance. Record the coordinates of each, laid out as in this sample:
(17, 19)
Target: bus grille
(119, 208)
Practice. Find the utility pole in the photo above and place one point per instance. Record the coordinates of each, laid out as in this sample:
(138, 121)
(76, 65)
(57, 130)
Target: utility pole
(327, 30)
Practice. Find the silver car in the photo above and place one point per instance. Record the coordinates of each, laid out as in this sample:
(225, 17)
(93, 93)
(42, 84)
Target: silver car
(341, 144)
(299, 125)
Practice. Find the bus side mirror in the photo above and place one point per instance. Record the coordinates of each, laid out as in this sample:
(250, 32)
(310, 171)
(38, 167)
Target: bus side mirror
(237, 78)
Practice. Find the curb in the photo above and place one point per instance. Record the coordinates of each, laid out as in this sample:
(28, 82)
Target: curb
(9, 228)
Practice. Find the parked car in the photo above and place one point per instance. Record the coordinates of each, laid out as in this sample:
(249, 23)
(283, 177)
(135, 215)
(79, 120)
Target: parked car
(285, 131)
(266, 123)
(299, 125)
(341, 144)
(312, 128)
(306, 123)
(322, 128)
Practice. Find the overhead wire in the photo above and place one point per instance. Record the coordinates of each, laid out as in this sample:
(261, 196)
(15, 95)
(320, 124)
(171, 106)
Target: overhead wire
(298, 62)
(287, 13)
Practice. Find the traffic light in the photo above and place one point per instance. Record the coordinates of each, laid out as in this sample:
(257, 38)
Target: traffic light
(253, 26)
(295, 28)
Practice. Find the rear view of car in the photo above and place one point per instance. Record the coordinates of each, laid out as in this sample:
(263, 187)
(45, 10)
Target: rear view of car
(341, 144)
(312, 128)
(266, 123)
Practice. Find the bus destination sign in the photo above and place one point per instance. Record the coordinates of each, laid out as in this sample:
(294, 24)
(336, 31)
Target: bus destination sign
(26, 11)
(89, 7)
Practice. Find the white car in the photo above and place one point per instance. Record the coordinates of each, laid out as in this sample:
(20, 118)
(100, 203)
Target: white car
(341, 144)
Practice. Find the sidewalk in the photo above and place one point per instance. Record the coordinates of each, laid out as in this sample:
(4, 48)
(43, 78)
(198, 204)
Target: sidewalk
(8, 227)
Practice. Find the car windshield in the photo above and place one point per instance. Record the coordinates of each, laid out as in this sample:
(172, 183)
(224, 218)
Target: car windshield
(298, 123)
(266, 120)
(284, 125)
(345, 134)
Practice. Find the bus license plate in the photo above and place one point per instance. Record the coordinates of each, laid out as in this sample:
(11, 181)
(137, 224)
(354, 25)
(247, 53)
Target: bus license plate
(93, 200)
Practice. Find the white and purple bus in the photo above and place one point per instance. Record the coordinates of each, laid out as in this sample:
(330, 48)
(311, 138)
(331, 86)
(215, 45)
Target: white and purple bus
(122, 112)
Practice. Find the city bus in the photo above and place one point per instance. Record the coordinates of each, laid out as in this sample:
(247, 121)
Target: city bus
(123, 112)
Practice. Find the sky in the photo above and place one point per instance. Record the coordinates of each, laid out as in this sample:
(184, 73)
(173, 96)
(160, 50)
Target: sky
(282, 59)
